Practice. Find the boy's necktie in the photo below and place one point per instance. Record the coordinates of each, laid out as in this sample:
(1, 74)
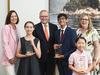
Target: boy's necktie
(62, 35)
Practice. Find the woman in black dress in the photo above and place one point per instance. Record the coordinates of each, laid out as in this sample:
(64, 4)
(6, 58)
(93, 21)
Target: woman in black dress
(29, 52)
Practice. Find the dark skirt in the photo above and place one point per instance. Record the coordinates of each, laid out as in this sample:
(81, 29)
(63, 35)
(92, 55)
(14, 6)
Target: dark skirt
(28, 66)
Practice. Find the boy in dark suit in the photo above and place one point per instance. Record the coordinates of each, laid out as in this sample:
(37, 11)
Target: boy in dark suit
(66, 37)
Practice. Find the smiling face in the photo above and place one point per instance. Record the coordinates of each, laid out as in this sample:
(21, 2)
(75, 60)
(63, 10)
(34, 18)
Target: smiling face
(84, 22)
(13, 18)
(62, 21)
(29, 28)
(44, 17)
(80, 44)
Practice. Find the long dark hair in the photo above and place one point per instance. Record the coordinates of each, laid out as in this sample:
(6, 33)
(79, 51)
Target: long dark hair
(9, 16)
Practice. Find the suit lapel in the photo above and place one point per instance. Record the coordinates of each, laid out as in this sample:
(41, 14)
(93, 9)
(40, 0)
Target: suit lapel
(42, 32)
(50, 30)
(12, 33)
(65, 33)
(59, 35)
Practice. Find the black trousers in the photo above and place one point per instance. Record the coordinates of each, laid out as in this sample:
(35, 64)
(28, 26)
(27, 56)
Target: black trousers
(63, 67)
(47, 67)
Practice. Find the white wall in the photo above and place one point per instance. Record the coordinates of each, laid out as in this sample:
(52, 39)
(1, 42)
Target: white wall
(3, 12)
(26, 9)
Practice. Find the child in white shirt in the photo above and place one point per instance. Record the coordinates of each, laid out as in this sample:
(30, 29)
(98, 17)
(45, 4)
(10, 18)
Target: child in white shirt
(80, 62)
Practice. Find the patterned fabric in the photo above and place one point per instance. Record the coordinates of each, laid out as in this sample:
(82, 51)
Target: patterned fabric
(90, 37)
(80, 60)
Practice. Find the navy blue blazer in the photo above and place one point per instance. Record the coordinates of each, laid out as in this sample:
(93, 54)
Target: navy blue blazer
(68, 42)
(47, 49)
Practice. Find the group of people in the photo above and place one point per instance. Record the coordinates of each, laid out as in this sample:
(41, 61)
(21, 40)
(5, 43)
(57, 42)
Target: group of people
(74, 52)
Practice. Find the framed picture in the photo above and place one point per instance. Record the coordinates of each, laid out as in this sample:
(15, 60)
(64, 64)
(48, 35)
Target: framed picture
(73, 8)
(8, 6)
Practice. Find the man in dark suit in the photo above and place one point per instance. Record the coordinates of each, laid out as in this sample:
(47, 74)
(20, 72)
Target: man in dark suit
(65, 36)
(45, 32)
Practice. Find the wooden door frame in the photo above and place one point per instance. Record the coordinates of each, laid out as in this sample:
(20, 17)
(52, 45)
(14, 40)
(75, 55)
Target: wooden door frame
(8, 5)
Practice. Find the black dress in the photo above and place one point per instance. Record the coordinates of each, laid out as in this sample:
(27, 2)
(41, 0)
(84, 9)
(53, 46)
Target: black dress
(28, 65)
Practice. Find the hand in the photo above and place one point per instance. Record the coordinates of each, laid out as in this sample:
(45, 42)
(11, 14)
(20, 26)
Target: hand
(13, 60)
(29, 54)
(98, 62)
(32, 42)
(59, 56)
(56, 46)
(81, 71)
(85, 71)
(94, 65)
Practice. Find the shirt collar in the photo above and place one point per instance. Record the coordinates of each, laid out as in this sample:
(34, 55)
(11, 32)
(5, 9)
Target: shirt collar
(78, 51)
(46, 24)
(63, 28)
